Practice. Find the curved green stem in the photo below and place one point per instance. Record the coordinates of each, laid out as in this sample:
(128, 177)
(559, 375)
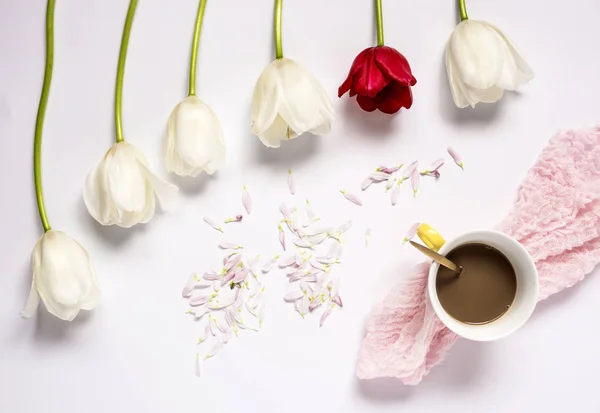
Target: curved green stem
(121, 71)
(379, 17)
(278, 46)
(39, 122)
(195, 42)
(463, 10)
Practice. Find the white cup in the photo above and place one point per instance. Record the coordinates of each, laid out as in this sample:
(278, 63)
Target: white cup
(527, 287)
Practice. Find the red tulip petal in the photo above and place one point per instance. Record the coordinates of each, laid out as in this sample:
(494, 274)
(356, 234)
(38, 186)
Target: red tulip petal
(357, 65)
(394, 97)
(366, 103)
(394, 65)
(371, 80)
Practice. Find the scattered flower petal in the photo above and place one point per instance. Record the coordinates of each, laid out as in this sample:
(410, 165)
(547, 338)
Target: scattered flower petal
(367, 236)
(411, 232)
(414, 181)
(190, 285)
(293, 295)
(281, 236)
(285, 211)
(352, 198)
(229, 246)
(395, 193)
(344, 227)
(213, 224)
(287, 261)
(302, 305)
(366, 183)
(197, 363)
(291, 182)
(246, 200)
(309, 212)
(379, 176)
(214, 350)
(389, 169)
(199, 312)
(253, 265)
(324, 317)
(199, 300)
(227, 336)
(240, 275)
(409, 170)
(456, 157)
(301, 243)
(268, 266)
(338, 300)
(390, 182)
(237, 218)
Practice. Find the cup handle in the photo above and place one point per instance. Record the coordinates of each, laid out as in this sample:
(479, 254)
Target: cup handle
(430, 236)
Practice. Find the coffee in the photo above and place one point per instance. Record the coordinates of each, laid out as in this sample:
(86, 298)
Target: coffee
(485, 288)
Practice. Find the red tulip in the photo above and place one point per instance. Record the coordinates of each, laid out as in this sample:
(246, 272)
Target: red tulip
(381, 78)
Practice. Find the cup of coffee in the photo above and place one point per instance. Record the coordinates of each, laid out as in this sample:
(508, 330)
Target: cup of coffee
(496, 290)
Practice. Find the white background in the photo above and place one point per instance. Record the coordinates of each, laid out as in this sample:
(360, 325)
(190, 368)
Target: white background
(135, 352)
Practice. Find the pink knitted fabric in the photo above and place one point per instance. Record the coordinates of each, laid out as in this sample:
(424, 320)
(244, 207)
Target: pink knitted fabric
(556, 217)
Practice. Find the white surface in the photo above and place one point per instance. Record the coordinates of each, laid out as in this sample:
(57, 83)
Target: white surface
(525, 299)
(135, 353)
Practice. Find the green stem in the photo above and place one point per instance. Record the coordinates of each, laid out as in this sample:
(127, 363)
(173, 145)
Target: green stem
(121, 71)
(278, 46)
(195, 42)
(39, 122)
(463, 10)
(379, 17)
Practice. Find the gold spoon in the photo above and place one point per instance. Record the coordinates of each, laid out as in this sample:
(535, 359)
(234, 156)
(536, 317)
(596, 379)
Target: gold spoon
(440, 259)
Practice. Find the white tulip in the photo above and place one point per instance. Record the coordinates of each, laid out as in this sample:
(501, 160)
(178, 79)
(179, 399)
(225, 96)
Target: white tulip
(194, 139)
(63, 277)
(120, 190)
(481, 63)
(289, 101)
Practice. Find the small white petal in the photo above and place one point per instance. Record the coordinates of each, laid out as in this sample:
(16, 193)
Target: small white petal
(268, 266)
(210, 276)
(390, 182)
(285, 211)
(309, 211)
(213, 224)
(287, 261)
(344, 227)
(291, 182)
(246, 200)
(366, 183)
(352, 198)
(379, 176)
(411, 232)
(227, 336)
(302, 243)
(395, 194)
(197, 363)
(229, 246)
(281, 236)
(324, 317)
(293, 295)
(367, 236)
(409, 169)
(214, 350)
(199, 300)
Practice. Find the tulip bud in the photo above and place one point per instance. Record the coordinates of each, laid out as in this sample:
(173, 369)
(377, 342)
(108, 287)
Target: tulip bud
(287, 102)
(63, 277)
(120, 190)
(194, 139)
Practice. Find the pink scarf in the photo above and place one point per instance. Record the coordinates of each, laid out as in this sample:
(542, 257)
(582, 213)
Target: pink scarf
(556, 217)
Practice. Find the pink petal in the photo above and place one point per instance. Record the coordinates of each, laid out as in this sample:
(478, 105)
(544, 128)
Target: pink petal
(414, 181)
(246, 200)
(390, 182)
(379, 176)
(240, 275)
(287, 261)
(213, 224)
(209, 276)
(214, 350)
(227, 336)
(395, 194)
(309, 211)
(293, 295)
(199, 300)
(253, 265)
(352, 198)
(302, 243)
(189, 285)
(409, 169)
(437, 164)
(234, 260)
(344, 227)
(315, 303)
(411, 232)
(228, 277)
(389, 169)
(456, 157)
(324, 317)
(291, 182)
(302, 305)
(281, 236)
(268, 266)
(285, 211)
(338, 300)
(237, 218)
(366, 183)
(229, 246)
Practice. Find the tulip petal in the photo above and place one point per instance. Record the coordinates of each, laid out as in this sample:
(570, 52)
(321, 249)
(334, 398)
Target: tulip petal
(370, 81)
(94, 193)
(357, 66)
(394, 65)
(265, 99)
(33, 301)
(366, 103)
(274, 134)
(515, 71)
(394, 97)
(165, 192)
(457, 86)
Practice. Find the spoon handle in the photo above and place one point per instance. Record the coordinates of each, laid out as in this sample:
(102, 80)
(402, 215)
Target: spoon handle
(440, 259)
